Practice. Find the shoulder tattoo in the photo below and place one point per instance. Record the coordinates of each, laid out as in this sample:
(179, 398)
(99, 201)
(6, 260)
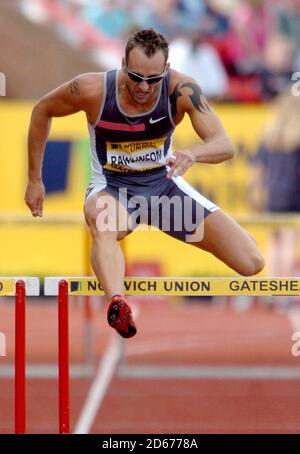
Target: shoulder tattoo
(74, 88)
(197, 98)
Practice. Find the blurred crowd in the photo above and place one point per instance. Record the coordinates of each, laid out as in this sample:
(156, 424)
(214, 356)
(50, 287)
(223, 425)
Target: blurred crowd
(274, 182)
(239, 50)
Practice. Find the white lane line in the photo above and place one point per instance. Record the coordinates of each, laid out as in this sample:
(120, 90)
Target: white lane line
(104, 375)
(48, 371)
(98, 388)
(211, 372)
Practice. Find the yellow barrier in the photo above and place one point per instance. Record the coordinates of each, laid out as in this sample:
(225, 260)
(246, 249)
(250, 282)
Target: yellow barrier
(45, 249)
(7, 287)
(59, 244)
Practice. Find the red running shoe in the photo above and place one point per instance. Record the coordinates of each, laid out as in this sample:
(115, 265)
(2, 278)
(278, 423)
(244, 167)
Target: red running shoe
(119, 316)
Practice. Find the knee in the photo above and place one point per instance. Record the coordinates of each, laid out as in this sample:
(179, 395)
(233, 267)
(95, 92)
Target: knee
(253, 264)
(96, 223)
(91, 219)
(100, 213)
(103, 226)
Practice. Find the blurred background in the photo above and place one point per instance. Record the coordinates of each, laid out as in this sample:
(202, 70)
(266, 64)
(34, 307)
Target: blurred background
(245, 54)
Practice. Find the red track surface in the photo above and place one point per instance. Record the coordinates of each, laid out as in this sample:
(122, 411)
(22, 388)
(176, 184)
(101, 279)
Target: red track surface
(169, 334)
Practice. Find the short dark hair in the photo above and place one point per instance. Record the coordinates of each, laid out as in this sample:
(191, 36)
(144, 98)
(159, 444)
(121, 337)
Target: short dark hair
(149, 40)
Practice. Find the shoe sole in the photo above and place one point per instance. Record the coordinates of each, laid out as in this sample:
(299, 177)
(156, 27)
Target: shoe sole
(117, 314)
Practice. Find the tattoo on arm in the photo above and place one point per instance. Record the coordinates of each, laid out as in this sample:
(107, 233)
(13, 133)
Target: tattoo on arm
(197, 98)
(74, 88)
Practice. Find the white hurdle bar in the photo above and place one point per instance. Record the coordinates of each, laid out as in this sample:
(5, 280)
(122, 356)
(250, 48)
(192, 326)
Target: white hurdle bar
(8, 285)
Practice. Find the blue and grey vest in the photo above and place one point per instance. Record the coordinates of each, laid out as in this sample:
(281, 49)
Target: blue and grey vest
(124, 143)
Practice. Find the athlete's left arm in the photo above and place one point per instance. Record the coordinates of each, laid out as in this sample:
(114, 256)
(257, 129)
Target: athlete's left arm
(216, 147)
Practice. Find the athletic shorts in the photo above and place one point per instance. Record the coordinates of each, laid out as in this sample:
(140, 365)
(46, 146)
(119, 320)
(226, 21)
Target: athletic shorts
(171, 205)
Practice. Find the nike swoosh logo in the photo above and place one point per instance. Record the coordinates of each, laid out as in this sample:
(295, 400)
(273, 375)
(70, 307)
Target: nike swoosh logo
(151, 121)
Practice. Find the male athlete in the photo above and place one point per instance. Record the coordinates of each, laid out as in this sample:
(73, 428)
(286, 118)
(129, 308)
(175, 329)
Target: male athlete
(131, 115)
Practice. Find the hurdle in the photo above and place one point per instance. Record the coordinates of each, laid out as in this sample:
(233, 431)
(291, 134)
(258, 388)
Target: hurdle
(63, 287)
(20, 287)
(179, 286)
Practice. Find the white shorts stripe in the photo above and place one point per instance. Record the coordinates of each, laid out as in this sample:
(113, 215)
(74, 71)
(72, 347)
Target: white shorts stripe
(191, 192)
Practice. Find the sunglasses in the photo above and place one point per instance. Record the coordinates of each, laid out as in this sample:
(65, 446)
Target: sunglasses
(137, 78)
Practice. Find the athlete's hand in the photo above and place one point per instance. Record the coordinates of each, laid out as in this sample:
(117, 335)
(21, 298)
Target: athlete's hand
(180, 162)
(34, 197)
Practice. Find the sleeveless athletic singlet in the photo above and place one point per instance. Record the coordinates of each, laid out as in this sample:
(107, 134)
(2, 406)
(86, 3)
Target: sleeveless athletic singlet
(126, 143)
(129, 154)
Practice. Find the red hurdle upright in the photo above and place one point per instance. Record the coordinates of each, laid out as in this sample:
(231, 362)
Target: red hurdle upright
(20, 351)
(63, 358)
(20, 358)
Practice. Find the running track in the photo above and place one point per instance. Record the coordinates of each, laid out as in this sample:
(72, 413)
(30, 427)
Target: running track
(237, 354)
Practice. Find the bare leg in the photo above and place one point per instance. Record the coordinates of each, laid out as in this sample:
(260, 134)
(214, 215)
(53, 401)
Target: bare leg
(108, 222)
(227, 241)
(109, 265)
(106, 254)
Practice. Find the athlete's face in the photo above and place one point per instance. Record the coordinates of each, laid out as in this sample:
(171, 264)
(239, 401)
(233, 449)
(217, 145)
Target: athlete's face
(138, 68)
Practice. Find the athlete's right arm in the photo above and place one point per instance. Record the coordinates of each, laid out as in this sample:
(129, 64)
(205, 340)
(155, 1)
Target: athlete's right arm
(83, 93)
